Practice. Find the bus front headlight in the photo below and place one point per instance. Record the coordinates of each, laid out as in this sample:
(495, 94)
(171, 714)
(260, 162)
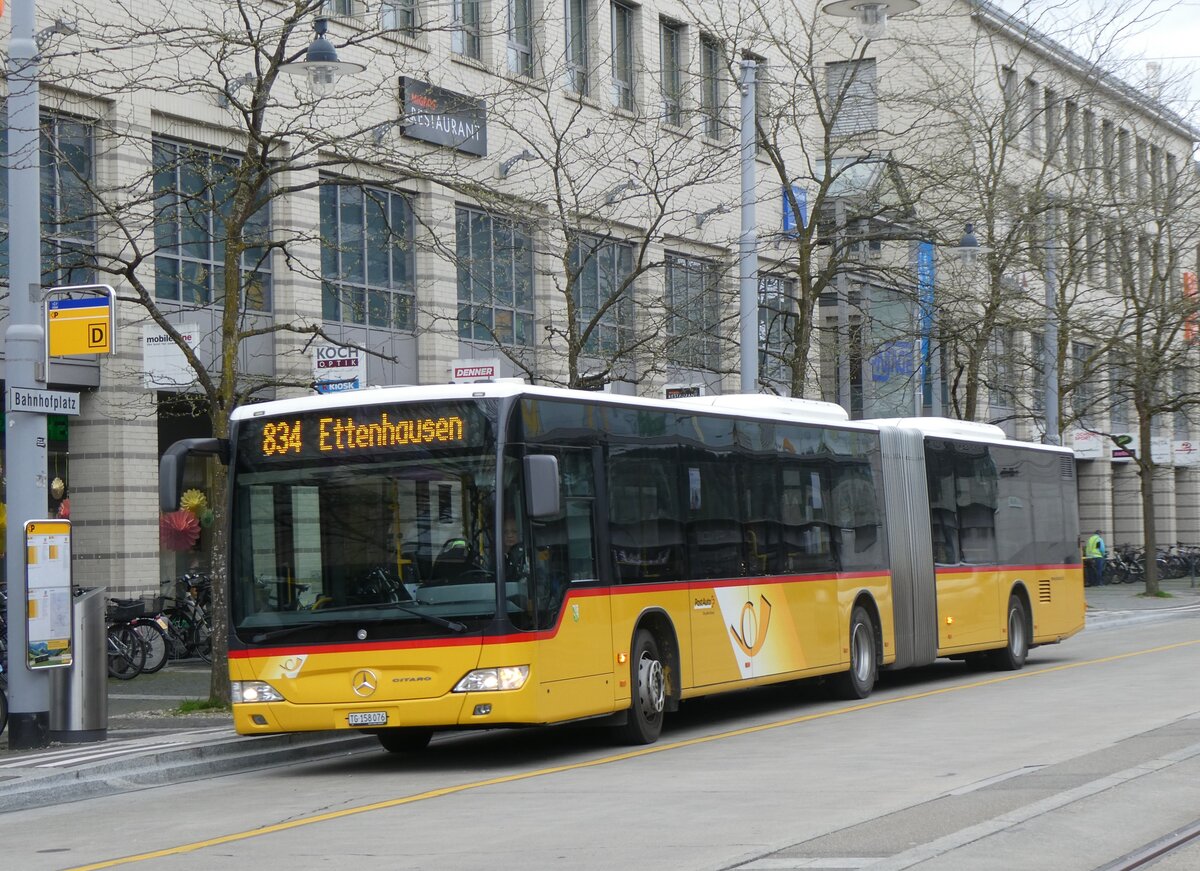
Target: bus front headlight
(482, 680)
(253, 691)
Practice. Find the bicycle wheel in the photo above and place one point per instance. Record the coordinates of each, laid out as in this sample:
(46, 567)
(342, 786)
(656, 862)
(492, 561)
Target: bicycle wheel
(126, 653)
(154, 639)
(200, 635)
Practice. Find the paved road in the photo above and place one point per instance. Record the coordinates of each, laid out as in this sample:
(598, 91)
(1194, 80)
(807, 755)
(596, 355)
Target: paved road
(1091, 752)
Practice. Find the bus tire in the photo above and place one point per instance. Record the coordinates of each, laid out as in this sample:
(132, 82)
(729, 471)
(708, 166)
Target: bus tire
(648, 689)
(859, 679)
(410, 740)
(1011, 657)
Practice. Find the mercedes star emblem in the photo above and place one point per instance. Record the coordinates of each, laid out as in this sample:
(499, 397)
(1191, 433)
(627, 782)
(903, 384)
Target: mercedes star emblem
(364, 683)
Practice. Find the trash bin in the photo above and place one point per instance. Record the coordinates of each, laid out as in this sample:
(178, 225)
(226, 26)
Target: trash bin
(79, 692)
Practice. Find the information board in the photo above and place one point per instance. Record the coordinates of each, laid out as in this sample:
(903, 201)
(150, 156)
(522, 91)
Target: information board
(48, 579)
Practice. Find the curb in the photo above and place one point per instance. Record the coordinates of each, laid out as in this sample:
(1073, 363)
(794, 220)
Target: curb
(176, 764)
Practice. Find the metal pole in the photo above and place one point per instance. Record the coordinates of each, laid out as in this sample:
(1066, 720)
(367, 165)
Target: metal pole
(1050, 363)
(748, 244)
(24, 340)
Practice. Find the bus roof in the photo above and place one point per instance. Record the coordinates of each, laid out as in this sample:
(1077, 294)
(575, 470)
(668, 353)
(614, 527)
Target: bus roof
(758, 406)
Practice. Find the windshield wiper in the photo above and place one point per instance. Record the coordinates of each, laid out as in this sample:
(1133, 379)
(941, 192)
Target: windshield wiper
(452, 625)
(286, 630)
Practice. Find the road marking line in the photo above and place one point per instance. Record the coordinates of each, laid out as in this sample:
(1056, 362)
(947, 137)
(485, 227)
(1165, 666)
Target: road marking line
(606, 760)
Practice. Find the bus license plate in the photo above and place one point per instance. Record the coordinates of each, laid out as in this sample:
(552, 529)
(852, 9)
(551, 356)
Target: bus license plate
(369, 718)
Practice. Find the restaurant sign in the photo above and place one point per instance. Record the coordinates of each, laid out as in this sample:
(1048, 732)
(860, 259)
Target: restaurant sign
(443, 117)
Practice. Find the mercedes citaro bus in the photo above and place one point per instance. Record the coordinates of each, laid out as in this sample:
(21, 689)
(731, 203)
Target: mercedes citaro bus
(413, 559)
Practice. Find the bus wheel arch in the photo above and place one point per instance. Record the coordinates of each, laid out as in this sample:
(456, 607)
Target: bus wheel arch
(865, 641)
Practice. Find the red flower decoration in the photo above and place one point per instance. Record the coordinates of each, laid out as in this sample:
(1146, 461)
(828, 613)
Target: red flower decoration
(178, 530)
(64, 509)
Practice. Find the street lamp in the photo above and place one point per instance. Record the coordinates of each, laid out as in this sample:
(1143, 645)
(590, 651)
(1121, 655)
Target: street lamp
(968, 248)
(871, 15)
(321, 65)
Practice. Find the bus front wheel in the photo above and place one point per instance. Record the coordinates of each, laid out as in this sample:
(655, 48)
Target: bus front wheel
(1011, 657)
(858, 681)
(649, 690)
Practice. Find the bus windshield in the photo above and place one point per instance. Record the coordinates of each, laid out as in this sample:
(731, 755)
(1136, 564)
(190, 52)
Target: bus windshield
(373, 522)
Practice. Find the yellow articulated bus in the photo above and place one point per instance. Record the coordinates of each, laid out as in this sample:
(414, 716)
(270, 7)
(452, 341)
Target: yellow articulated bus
(408, 560)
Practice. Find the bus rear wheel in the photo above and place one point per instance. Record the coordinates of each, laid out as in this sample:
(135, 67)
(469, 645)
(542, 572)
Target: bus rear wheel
(404, 740)
(649, 690)
(858, 681)
(1011, 657)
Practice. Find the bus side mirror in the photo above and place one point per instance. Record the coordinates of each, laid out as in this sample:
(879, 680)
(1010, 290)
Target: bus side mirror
(542, 486)
(170, 467)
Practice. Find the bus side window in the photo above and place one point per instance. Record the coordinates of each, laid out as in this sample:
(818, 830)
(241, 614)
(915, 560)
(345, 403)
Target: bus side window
(644, 516)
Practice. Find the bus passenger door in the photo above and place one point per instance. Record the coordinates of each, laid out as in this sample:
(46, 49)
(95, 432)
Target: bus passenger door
(575, 655)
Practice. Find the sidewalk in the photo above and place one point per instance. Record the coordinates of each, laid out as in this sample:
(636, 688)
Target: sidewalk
(1117, 604)
(148, 744)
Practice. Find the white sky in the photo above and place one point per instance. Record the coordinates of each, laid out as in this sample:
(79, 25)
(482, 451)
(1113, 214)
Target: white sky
(1169, 32)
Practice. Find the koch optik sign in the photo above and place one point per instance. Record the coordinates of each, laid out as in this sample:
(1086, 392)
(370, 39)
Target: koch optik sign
(336, 368)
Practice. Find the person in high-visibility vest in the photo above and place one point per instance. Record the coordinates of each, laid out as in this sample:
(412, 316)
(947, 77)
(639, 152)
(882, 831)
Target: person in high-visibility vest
(1094, 554)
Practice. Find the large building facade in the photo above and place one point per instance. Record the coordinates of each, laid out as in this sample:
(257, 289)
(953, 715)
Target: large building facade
(552, 191)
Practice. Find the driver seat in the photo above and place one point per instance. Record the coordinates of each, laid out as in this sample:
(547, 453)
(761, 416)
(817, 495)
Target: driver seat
(455, 557)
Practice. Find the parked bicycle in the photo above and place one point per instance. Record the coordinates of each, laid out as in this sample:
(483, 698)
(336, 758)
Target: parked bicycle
(125, 648)
(187, 615)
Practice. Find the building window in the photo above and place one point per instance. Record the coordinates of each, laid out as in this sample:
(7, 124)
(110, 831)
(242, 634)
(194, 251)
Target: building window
(1118, 387)
(671, 50)
(711, 68)
(693, 310)
(1051, 115)
(464, 34)
(622, 55)
(68, 226)
(1037, 386)
(1000, 371)
(1089, 143)
(852, 96)
(1033, 116)
(776, 322)
(520, 37)
(1071, 133)
(495, 278)
(400, 15)
(339, 8)
(1009, 85)
(1123, 159)
(1108, 158)
(578, 35)
(603, 271)
(193, 189)
(1085, 392)
(367, 264)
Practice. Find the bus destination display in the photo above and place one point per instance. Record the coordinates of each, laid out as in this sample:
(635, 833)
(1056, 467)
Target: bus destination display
(364, 431)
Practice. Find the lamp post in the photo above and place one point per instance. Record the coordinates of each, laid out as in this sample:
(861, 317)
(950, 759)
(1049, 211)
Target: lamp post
(24, 351)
